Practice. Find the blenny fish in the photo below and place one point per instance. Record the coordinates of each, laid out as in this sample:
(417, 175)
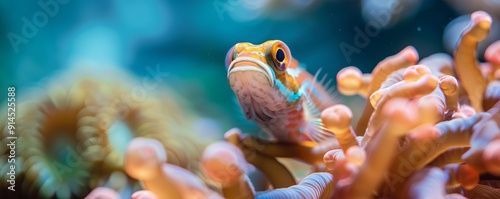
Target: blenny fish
(278, 94)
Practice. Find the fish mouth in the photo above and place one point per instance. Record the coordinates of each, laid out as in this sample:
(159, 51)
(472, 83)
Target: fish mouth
(256, 65)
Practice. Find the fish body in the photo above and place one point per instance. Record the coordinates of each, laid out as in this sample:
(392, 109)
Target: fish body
(276, 93)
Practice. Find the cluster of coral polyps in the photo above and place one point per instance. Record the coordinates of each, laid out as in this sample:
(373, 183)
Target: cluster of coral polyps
(70, 130)
(430, 129)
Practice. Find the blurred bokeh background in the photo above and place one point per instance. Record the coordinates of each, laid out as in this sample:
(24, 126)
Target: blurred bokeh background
(187, 40)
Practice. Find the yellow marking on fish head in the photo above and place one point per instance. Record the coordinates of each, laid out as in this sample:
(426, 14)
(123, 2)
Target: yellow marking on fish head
(271, 58)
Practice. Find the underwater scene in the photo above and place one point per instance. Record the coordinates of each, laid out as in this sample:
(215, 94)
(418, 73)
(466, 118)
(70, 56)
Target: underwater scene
(243, 99)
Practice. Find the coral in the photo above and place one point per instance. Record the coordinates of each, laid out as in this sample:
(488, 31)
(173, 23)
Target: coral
(49, 139)
(465, 61)
(423, 137)
(278, 175)
(424, 127)
(430, 129)
(146, 160)
(338, 119)
(225, 164)
(222, 162)
(102, 192)
(403, 59)
(67, 127)
(432, 181)
(316, 185)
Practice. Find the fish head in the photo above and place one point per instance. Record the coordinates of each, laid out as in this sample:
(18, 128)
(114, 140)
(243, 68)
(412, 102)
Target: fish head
(259, 76)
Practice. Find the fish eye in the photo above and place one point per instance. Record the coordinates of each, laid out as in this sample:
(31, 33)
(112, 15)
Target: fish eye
(230, 56)
(280, 55)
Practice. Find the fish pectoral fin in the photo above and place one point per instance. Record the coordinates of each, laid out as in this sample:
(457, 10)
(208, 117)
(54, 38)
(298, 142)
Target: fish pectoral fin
(317, 132)
(314, 127)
